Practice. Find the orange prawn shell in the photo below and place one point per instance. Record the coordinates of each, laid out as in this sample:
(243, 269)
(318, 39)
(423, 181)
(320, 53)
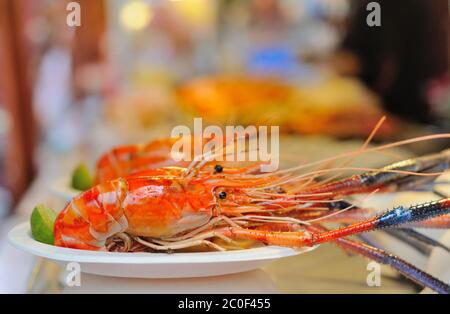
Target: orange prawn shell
(124, 160)
(135, 160)
(84, 224)
(165, 207)
(142, 206)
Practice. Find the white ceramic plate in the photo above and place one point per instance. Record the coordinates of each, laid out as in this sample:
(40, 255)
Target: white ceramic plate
(153, 265)
(62, 189)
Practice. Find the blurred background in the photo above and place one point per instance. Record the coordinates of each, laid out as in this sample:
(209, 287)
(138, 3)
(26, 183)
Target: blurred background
(134, 69)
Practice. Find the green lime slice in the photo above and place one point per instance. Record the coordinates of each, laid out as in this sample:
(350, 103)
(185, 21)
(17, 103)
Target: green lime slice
(42, 222)
(81, 178)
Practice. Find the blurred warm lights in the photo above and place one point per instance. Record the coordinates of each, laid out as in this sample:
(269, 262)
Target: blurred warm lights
(136, 15)
(197, 12)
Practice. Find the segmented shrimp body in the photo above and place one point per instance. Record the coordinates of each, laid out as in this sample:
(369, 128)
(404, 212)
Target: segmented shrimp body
(124, 160)
(154, 158)
(156, 207)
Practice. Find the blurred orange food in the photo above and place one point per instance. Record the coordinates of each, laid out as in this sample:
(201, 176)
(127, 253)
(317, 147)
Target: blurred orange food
(335, 106)
(242, 100)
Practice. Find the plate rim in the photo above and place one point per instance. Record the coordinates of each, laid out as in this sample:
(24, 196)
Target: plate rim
(20, 237)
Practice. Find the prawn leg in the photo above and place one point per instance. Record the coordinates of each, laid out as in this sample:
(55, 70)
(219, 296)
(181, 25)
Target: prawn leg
(380, 256)
(393, 218)
(358, 214)
(390, 177)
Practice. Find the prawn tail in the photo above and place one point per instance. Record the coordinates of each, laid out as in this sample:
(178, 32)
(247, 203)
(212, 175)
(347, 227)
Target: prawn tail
(92, 217)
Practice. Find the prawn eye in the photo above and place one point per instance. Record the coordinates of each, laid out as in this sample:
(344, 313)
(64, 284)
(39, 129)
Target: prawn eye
(218, 169)
(223, 195)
